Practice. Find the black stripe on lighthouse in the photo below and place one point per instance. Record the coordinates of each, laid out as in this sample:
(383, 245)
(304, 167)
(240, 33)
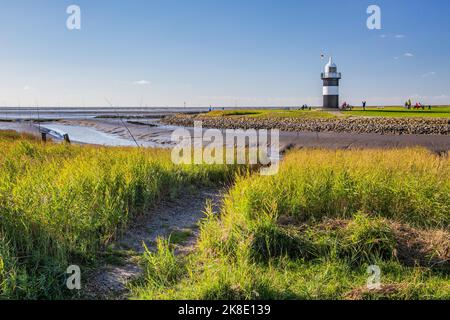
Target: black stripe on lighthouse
(331, 82)
(331, 85)
(331, 101)
(331, 95)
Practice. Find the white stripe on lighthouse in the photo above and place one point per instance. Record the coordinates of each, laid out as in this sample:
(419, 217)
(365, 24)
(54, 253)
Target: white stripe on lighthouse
(331, 91)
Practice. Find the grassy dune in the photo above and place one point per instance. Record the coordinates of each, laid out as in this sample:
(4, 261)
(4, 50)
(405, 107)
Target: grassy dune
(311, 232)
(61, 204)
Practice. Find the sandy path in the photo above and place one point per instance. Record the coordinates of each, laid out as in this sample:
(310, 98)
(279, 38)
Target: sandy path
(182, 215)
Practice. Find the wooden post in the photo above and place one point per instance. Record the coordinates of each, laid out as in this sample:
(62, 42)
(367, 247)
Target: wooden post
(66, 138)
(44, 136)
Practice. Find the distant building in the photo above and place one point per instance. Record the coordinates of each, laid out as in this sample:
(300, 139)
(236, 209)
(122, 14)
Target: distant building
(331, 85)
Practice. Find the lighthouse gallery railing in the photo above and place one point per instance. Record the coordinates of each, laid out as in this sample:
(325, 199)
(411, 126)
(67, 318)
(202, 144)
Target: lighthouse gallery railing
(331, 75)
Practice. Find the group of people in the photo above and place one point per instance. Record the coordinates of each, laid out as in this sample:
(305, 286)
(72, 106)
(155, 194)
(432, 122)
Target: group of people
(346, 106)
(417, 106)
(408, 105)
(305, 107)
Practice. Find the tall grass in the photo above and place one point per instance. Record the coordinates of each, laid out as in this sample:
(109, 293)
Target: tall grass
(410, 185)
(61, 204)
(311, 231)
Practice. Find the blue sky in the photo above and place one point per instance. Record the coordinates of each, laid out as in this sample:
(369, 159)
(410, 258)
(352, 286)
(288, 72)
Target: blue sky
(221, 52)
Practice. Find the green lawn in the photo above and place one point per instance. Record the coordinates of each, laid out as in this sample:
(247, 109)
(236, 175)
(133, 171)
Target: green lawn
(435, 112)
(391, 112)
(272, 113)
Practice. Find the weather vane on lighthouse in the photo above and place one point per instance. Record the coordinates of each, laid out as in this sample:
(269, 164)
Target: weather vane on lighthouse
(331, 85)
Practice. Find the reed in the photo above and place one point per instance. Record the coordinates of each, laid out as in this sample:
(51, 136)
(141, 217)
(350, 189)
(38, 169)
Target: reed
(311, 231)
(61, 204)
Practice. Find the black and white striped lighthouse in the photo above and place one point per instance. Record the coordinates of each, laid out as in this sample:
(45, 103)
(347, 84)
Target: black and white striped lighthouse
(331, 85)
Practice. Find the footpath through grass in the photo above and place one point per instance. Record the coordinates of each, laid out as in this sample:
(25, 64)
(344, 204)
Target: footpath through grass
(61, 204)
(309, 232)
(312, 231)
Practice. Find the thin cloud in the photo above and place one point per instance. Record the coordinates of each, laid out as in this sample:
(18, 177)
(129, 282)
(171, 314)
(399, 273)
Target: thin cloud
(27, 88)
(396, 36)
(428, 74)
(408, 54)
(141, 82)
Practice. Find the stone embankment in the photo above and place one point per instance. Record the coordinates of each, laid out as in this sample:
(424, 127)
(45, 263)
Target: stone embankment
(379, 125)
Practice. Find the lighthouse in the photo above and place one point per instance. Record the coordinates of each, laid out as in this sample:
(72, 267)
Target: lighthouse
(331, 85)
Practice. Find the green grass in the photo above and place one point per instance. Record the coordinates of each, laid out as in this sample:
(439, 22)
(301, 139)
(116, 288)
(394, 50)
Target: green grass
(389, 112)
(62, 205)
(10, 135)
(271, 113)
(162, 268)
(401, 112)
(311, 231)
(180, 236)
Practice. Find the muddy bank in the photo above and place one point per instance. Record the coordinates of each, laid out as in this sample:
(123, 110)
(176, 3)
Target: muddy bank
(376, 125)
(22, 127)
(108, 132)
(148, 133)
(151, 133)
(351, 141)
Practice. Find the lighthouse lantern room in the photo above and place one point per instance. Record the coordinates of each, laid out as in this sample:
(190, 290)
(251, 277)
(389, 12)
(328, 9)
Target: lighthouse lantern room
(331, 86)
